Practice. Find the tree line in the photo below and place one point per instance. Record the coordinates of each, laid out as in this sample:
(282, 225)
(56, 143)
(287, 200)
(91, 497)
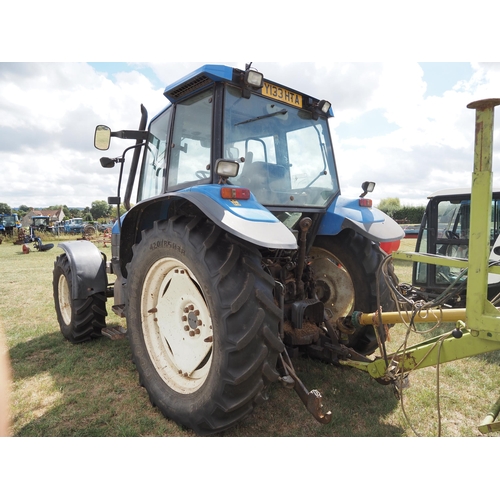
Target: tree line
(403, 214)
(98, 210)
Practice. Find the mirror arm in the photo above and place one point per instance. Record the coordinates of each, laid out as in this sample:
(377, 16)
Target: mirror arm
(139, 135)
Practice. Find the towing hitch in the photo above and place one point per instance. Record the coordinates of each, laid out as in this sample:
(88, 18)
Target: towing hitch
(312, 399)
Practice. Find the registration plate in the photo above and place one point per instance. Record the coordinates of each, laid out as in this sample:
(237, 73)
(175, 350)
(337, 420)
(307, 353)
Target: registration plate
(281, 94)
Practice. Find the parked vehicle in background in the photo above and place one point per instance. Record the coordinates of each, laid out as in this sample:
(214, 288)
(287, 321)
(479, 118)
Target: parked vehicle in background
(9, 222)
(73, 226)
(41, 223)
(445, 231)
(107, 226)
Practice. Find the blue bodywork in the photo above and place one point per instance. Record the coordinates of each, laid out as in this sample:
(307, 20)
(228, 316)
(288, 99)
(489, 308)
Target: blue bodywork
(346, 213)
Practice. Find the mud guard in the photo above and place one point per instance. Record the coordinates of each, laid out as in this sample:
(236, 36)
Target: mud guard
(247, 219)
(88, 268)
(372, 223)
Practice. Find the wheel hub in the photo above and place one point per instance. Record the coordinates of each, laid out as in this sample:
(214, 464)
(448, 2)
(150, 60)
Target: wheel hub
(64, 299)
(333, 284)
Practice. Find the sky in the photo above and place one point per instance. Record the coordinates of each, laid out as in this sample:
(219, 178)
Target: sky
(398, 122)
(403, 125)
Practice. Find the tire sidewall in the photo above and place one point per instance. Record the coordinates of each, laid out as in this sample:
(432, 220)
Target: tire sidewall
(61, 270)
(160, 245)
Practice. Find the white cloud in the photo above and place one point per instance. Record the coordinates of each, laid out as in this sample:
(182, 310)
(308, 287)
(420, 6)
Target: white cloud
(48, 115)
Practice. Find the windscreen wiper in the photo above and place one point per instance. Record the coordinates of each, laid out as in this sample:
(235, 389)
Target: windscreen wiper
(280, 112)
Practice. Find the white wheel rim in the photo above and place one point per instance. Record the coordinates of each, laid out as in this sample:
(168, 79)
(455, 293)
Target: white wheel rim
(64, 299)
(177, 326)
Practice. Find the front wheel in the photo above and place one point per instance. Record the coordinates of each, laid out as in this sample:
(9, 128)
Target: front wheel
(79, 319)
(203, 326)
(345, 268)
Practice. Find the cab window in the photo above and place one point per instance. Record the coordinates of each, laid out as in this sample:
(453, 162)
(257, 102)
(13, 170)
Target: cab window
(153, 169)
(191, 140)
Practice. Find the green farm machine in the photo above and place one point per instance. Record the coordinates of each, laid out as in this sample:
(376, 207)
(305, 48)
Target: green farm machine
(477, 328)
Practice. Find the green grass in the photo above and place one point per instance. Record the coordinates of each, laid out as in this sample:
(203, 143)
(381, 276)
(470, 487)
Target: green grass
(92, 389)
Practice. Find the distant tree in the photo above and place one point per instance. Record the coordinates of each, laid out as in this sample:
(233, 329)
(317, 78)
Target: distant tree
(113, 212)
(5, 209)
(389, 206)
(100, 209)
(74, 213)
(87, 216)
(22, 210)
(66, 211)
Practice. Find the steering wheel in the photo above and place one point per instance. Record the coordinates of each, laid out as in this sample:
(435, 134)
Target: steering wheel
(202, 174)
(451, 235)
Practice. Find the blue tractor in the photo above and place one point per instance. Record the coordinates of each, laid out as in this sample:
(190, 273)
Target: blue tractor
(239, 253)
(9, 222)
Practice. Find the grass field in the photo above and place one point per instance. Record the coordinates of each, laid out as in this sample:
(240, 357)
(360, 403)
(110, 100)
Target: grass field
(92, 389)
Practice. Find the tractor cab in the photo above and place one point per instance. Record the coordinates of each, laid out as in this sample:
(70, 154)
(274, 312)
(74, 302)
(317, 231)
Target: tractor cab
(445, 230)
(41, 223)
(230, 138)
(276, 139)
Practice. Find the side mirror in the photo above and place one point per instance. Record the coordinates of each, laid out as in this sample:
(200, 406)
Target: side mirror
(102, 137)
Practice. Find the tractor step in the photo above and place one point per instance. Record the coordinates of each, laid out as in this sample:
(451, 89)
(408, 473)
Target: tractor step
(119, 310)
(114, 332)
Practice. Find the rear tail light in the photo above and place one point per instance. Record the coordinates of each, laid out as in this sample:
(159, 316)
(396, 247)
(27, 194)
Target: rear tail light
(232, 193)
(390, 246)
(365, 202)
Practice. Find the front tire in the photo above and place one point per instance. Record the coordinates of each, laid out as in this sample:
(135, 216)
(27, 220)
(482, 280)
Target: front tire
(79, 319)
(203, 326)
(345, 268)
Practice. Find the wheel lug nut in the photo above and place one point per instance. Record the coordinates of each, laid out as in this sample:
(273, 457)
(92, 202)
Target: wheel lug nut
(186, 328)
(191, 333)
(184, 318)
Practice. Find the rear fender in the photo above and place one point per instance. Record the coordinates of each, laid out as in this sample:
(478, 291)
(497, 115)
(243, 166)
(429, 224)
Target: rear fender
(372, 223)
(246, 219)
(88, 268)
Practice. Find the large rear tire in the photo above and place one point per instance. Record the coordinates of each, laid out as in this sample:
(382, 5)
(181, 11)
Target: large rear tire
(79, 319)
(203, 326)
(345, 268)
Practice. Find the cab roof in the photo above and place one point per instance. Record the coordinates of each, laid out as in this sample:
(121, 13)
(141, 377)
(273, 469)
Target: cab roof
(455, 191)
(206, 75)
